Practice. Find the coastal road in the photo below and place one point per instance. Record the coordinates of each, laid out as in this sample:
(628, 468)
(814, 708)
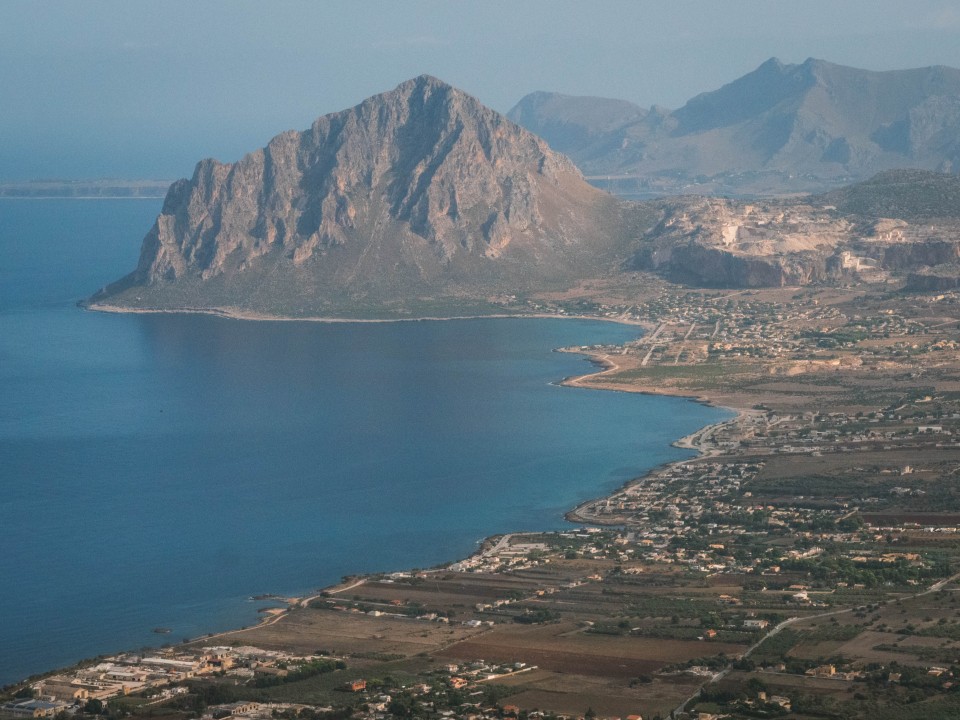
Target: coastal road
(502, 544)
(351, 586)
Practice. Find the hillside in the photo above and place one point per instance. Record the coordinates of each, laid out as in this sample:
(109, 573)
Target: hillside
(897, 225)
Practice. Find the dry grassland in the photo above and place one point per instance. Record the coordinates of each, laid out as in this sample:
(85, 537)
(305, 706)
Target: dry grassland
(560, 648)
(307, 630)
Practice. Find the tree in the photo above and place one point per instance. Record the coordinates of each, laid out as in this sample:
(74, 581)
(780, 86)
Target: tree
(756, 685)
(401, 706)
(93, 707)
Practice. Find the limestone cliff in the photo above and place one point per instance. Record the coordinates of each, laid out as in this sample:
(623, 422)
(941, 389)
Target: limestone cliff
(420, 192)
(725, 243)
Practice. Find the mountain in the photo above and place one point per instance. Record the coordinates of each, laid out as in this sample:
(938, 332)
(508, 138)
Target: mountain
(781, 128)
(418, 199)
(575, 125)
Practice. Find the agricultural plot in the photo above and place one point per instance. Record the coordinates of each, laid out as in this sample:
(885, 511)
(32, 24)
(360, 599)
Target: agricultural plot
(306, 631)
(562, 647)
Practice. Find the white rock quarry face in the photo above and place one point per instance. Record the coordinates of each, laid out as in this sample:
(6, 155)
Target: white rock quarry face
(750, 229)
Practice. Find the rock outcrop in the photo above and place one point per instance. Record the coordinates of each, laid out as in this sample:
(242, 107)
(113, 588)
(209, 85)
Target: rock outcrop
(417, 193)
(899, 223)
(934, 279)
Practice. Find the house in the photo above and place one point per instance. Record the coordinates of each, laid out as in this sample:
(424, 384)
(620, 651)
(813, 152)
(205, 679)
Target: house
(61, 688)
(96, 690)
(218, 658)
(31, 708)
(188, 667)
(356, 685)
(755, 624)
(237, 708)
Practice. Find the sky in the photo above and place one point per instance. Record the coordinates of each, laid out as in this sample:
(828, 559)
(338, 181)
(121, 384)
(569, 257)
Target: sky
(124, 88)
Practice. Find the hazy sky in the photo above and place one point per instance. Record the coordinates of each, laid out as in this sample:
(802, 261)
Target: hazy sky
(122, 88)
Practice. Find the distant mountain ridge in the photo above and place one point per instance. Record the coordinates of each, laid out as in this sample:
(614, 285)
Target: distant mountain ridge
(780, 128)
(116, 188)
(419, 192)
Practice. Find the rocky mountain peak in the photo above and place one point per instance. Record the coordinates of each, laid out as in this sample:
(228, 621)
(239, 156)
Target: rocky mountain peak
(416, 187)
(753, 94)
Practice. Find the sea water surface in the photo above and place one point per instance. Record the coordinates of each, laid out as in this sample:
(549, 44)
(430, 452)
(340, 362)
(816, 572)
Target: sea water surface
(158, 470)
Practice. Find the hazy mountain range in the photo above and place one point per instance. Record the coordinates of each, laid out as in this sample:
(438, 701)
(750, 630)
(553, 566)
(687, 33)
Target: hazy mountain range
(781, 128)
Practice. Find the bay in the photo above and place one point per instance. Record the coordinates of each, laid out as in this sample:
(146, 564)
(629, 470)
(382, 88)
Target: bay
(158, 470)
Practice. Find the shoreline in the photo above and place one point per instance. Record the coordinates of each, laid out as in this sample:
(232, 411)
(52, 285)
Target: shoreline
(231, 313)
(696, 441)
(692, 441)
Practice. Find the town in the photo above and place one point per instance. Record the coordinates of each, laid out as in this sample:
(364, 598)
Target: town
(802, 561)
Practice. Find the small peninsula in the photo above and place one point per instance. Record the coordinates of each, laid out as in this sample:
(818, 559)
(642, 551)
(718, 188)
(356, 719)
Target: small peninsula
(418, 201)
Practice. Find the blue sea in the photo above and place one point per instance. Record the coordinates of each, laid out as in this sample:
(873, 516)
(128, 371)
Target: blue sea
(158, 470)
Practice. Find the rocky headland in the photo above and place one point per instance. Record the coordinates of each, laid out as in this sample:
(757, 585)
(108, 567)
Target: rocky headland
(420, 196)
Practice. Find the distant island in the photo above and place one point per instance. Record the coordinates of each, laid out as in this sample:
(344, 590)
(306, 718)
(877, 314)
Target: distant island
(109, 188)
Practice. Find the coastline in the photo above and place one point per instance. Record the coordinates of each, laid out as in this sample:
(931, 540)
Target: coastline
(232, 313)
(699, 441)
(606, 366)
